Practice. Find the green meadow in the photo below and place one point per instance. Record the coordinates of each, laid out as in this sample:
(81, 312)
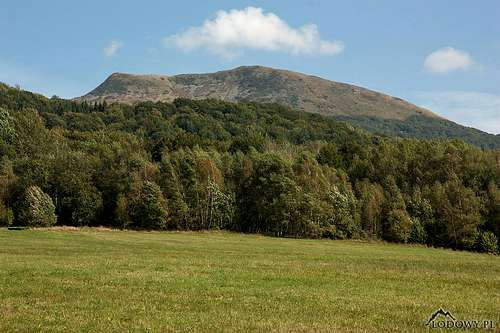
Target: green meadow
(95, 280)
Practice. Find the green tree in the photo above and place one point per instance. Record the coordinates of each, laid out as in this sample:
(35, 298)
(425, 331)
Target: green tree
(422, 215)
(78, 201)
(418, 234)
(6, 215)
(7, 131)
(458, 212)
(329, 154)
(147, 207)
(343, 214)
(219, 207)
(397, 222)
(492, 203)
(371, 203)
(398, 226)
(267, 196)
(36, 209)
(171, 186)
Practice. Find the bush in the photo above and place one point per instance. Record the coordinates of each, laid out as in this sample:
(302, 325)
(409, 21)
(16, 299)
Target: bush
(37, 209)
(470, 242)
(329, 231)
(487, 242)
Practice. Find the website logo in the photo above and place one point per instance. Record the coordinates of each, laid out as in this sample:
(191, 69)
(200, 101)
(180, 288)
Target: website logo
(444, 319)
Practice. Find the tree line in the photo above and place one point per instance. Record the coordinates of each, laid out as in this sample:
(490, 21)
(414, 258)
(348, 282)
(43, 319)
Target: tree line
(246, 167)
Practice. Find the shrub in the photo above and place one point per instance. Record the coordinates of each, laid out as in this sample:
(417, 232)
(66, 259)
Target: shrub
(487, 242)
(329, 231)
(470, 242)
(37, 209)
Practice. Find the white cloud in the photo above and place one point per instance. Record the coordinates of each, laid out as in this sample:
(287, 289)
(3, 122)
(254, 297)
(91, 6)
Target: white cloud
(112, 47)
(447, 59)
(230, 32)
(475, 109)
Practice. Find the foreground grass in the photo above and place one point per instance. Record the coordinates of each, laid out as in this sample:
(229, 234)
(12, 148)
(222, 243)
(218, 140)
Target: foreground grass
(118, 281)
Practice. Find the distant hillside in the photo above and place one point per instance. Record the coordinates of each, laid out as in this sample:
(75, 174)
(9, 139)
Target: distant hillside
(425, 128)
(371, 110)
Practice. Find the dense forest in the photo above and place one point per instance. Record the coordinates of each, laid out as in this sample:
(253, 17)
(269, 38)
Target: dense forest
(246, 167)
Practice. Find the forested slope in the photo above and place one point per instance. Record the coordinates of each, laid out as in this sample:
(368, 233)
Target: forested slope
(425, 128)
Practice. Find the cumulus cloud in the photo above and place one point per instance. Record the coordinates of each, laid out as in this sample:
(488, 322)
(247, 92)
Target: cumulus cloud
(476, 109)
(446, 60)
(231, 32)
(112, 48)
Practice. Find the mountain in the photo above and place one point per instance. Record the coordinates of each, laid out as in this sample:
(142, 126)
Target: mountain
(371, 110)
(259, 84)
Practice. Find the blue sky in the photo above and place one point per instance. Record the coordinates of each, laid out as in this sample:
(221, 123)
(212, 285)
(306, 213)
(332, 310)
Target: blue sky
(444, 55)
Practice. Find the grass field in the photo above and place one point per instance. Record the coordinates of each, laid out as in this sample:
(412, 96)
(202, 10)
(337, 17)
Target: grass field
(93, 280)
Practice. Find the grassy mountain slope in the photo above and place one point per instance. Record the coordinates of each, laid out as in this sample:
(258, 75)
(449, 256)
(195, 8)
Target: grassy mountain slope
(259, 84)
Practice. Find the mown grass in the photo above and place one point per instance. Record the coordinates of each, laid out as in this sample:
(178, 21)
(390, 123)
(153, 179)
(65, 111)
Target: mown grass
(92, 280)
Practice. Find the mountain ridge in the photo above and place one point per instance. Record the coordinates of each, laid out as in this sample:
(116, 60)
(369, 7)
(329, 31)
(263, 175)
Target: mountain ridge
(261, 84)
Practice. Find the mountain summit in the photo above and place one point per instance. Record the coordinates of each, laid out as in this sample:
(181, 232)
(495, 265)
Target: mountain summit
(259, 84)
